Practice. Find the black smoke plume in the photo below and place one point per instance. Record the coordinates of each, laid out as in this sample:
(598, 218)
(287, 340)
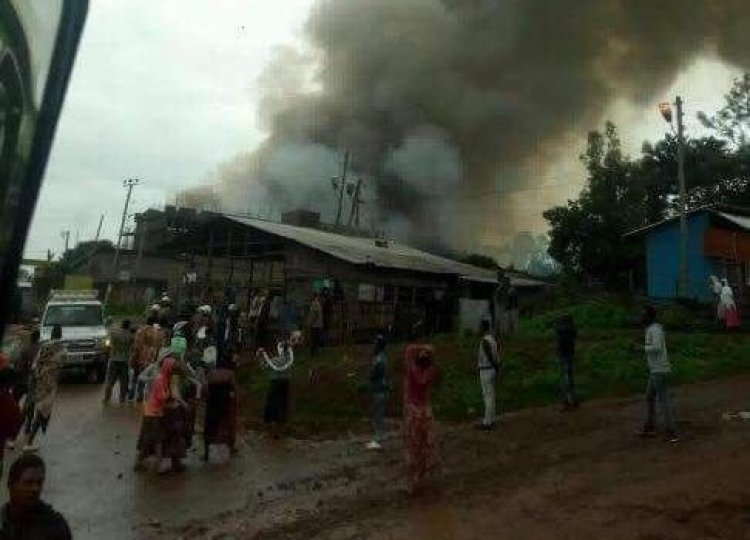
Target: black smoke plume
(447, 105)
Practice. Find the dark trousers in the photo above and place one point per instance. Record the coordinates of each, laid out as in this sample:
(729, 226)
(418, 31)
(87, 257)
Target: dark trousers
(567, 380)
(316, 340)
(379, 403)
(657, 390)
(117, 371)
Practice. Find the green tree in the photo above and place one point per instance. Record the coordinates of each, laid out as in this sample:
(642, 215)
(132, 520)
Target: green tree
(732, 121)
(715, 173)
(586, 234)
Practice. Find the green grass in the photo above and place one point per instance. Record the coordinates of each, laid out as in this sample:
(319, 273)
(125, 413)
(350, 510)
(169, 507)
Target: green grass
(329, 392)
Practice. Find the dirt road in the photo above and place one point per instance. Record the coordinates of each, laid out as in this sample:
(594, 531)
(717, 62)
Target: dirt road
(541, 474)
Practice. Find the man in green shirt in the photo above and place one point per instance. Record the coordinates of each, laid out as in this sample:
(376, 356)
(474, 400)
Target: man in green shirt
(119, 359)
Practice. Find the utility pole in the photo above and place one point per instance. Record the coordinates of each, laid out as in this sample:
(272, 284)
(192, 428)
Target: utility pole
(339, 185)
(666, 112)
(99, 228)
(356, 201)
(65, 235)
(130, 183)
(683, 291)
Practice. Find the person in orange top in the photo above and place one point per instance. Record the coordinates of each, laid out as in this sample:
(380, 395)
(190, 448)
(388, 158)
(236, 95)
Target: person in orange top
(160, 435)
(147, 342)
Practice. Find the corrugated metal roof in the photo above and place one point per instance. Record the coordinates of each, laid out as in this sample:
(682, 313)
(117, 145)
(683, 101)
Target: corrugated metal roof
(365, 251)
(740, 221)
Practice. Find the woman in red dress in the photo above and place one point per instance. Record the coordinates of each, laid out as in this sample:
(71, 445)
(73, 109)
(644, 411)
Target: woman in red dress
(10, 413)
(419, 434)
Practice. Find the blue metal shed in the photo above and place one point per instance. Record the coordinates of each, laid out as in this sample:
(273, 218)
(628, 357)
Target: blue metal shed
(662, 250)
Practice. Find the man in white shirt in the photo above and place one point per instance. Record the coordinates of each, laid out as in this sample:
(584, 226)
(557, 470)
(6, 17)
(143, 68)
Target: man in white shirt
(659, 371)
(489, 365)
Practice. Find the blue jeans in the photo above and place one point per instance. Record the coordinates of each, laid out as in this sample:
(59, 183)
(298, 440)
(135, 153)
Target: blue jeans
(657, 390)
(379, 402)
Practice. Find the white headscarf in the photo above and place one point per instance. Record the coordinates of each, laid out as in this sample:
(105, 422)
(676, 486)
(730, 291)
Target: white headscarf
(727, 295)
(715, 285)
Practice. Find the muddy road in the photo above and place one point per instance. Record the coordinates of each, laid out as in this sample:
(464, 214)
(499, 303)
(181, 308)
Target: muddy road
(541, 474)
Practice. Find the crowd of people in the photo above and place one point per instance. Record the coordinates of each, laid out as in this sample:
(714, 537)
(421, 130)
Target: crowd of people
(180, 371)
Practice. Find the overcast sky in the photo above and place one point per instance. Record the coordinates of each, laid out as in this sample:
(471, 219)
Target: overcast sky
(164, 91)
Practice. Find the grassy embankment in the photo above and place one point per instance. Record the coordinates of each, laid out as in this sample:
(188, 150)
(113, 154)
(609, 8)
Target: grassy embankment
(329, 393)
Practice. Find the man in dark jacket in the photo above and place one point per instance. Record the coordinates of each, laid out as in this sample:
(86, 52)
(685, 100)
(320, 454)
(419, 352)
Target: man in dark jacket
(26, 516)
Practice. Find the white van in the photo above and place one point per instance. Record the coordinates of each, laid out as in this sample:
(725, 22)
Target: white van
(80, 314)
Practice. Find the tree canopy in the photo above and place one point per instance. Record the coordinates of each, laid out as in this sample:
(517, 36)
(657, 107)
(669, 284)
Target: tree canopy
(622, 194)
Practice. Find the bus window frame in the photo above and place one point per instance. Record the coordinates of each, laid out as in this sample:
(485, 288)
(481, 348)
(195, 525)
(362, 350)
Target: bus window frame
(70, 28)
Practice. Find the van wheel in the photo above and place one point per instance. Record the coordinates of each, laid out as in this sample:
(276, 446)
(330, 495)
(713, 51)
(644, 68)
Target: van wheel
(101, 374)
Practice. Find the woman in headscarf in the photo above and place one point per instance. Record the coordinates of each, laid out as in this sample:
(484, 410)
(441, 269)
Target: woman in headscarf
(728, 307)
(44, 375)
(220, 426)
(419, 435)
(162, 430)
(277, 400)
(186, 383)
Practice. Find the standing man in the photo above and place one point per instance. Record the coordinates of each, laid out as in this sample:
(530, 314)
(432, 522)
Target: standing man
(26, 515)
(316, 323)
(488, 365)
(566, 346)
(499, 304)
(117, 369)
(326, 303)
(659, 370)
(511, 308)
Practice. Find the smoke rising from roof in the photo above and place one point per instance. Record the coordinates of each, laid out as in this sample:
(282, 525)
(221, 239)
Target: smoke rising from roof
(444, 104)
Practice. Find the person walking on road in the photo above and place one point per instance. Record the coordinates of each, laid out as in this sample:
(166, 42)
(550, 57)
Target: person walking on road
(26, 516)
(23, 366)
(379, 390)
(419, 431)
(45, 374)
(488, 364)
(659, 368)
(117, 368)
(566, 345)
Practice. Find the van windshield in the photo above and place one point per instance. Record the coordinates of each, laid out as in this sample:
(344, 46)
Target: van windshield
(73, 315)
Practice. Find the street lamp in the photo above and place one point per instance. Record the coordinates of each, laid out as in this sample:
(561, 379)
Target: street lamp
(666, 112)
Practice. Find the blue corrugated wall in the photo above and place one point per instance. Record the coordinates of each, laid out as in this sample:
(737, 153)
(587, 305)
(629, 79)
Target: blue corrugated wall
(662, 259)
